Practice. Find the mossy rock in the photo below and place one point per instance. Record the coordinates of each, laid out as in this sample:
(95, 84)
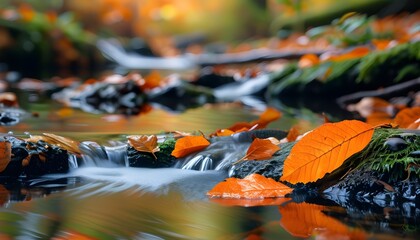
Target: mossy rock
(163, 158)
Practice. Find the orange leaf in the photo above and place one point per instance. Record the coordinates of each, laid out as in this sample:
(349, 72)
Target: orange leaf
(407, 116)
(308, 60)
(252, 186)
(324, 149)
(189, 144)
(261, 149)
(292, 134)
(5, 154)
(153, 80)
(268, 116)
(357, 52)
(144, 143)
(305, 220)
(224, 132)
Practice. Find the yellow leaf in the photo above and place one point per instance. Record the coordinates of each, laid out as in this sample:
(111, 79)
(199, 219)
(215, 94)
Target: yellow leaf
(144, 143)
(189, 144)
(325, 149)
(5, 154)
(63, 142)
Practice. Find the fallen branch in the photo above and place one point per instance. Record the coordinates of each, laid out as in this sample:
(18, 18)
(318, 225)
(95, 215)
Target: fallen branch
(386, 93)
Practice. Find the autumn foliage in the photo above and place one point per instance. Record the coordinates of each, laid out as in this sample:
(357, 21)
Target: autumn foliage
(252, 186)
(189, 144)
(325, 149)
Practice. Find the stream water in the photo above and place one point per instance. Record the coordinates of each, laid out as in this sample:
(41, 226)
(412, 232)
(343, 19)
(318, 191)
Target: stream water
(106, 200)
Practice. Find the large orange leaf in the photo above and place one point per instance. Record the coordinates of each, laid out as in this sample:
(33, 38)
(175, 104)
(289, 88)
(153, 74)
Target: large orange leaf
(407, 116)
(5, 154)
(189, 144)
(253, 186)
(144, 143)
(305, 220)
(261, 149)
(324, 149)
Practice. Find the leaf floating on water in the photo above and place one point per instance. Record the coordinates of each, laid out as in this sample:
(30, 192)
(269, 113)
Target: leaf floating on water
(144, 143)
(5, 154)
(253, 186)
(261, 149)
(189, 144)
(325, 149)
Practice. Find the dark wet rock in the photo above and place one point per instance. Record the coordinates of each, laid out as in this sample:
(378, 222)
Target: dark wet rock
(395, 144)
(11, 116)
(272, 168)
(163, 158)
(47, 159)
(120, 98)
(415, 154)
(212, 80)
(35, 159)
(186, 95)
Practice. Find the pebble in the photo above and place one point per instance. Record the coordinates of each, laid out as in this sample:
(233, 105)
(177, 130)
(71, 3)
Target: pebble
(395, 144)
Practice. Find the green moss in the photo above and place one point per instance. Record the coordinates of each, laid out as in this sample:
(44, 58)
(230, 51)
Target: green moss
(376, 156)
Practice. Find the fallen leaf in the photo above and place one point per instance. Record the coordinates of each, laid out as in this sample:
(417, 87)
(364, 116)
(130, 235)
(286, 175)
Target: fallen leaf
(254, 186)
(144, 143)
(292, 134)
(304, 220)
(308, 60)
(5, 154)
(152, 80)
(189, 144)
(268, 116)
(260, 149)
(325, 149)
(356, 52)
(63, 142)
(224, 132)
(407, 116)
(8, 99)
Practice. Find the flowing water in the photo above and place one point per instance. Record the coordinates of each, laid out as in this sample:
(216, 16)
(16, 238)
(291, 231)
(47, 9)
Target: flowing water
(101, 198)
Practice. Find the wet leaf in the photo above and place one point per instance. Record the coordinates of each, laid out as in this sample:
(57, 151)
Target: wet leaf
(189, 144)
(407, 116)
(305, 220)
(62, 142)
(5, 154)
(224, 132)
(325, 149)
(357, 52)
(253, 186)
(268, 116)
(152, 80)
(292, 134)
(261, 149)
(144, 143)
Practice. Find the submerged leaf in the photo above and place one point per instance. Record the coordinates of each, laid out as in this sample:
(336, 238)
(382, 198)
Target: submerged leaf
(189, 144)
(144, 143)
(325, 149)
(261, 149)
(253, 186)
(5, 154)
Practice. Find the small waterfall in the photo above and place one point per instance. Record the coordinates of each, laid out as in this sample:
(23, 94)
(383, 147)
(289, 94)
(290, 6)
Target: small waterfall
(224, 151)
(94, 154)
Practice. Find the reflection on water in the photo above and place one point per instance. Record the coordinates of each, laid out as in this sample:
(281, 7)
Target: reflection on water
(126, 203)
(112, 209)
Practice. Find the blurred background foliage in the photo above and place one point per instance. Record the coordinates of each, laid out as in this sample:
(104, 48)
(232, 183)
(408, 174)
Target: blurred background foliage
(38, 37)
